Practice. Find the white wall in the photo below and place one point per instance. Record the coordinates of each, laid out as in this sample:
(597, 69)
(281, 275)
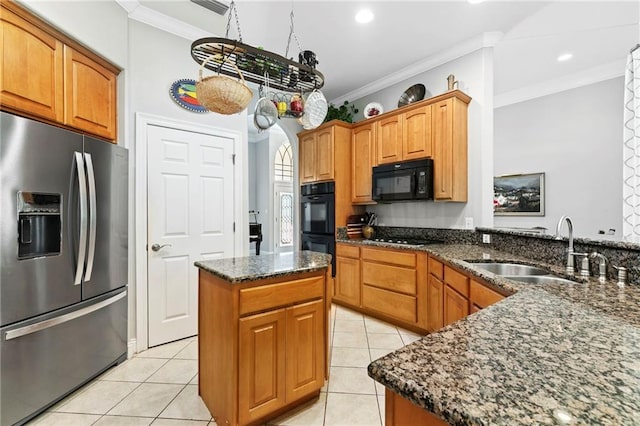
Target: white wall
(475, 75)
(575, 137)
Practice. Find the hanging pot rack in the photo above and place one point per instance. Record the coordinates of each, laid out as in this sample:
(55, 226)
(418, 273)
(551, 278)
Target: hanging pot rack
(282, 73)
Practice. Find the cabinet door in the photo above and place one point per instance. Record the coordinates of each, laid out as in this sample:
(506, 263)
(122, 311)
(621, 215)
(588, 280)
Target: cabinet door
(90, 95)
(456, 306)
(389, 139)
(443, 150)
(261, 353)
(435, 300)
(305, 350)
(348, 280)
(362, 160)
(32, 68)
(416, 130)
(324, 154)
(307, 148)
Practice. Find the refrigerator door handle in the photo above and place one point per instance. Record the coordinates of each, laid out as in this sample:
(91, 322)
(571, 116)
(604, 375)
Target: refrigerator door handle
(93, 213)
(42, 325)
(82, 243)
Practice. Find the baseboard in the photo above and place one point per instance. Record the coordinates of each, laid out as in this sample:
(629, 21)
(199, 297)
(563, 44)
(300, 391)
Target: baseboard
(131, 348)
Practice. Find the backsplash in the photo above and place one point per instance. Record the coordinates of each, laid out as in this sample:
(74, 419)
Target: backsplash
(540, 248)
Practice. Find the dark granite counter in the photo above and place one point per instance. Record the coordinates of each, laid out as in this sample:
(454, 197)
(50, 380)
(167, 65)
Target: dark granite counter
(549, 354)
(253, 268)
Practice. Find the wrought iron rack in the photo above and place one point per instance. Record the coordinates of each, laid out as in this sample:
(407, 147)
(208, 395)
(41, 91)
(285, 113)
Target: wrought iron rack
(282, 73)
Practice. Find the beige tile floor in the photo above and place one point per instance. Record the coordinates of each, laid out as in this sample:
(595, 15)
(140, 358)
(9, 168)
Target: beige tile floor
(159, 386)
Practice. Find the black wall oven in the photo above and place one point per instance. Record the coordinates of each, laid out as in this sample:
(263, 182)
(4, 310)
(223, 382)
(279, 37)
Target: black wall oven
(317, 218)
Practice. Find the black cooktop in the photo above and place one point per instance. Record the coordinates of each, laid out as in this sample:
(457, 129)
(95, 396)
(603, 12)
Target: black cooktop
(410, 241)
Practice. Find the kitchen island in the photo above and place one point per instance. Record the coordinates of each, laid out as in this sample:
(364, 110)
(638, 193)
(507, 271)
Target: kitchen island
(263, 334)
(552, 353)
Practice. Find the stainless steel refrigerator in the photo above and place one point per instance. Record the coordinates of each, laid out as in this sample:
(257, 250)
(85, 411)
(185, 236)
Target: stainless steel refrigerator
(64, 263)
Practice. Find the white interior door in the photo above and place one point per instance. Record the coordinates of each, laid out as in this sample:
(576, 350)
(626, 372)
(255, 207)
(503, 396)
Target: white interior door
(190, 217)
(283, 216)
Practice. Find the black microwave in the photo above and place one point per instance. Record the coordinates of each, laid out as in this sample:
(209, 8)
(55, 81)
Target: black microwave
(409, 180)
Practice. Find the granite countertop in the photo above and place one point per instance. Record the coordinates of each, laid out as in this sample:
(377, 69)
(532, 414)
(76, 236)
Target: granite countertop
(253, 268)
(548, 354)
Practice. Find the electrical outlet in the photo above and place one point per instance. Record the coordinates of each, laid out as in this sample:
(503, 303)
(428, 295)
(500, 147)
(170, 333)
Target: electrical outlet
(486, 238)
(486, 256)
(468, 222)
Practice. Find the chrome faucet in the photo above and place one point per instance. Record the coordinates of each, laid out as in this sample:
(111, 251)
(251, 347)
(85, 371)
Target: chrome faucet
(570, 265)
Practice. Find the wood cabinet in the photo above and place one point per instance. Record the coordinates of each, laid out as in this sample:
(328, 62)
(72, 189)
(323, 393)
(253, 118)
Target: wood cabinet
(319, 151)
(405, 136)
(384, 283)
(262, 345)
(90, 95)
(363, 159)
(47, 76)
(453, 294)
(450, 149)
(400, 411)
(347, 283)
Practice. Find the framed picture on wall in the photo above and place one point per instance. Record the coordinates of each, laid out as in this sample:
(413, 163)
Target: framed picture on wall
(518, 195)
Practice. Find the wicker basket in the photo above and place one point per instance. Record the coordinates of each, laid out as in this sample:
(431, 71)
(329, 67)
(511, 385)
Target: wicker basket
(222, 94)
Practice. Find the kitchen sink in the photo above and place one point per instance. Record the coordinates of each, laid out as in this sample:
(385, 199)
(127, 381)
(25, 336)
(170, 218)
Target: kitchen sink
(511, 269)
(539, 279)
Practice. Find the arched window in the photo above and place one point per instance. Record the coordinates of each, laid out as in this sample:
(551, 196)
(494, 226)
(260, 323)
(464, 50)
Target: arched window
(284, 163)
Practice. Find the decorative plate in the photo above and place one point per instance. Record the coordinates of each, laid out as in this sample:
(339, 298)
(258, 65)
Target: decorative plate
(372, 109)
(183, 92)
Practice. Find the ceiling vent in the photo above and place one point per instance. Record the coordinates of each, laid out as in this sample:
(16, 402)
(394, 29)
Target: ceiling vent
(216, 6)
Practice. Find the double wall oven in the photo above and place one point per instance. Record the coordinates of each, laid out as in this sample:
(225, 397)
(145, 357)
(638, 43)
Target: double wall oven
(317, 218)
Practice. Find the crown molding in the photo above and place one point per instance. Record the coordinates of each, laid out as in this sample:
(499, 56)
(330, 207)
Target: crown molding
(484, 40)
(567, 82)
(163, 22)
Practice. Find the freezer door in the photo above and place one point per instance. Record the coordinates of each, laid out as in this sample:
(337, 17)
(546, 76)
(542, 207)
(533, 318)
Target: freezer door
(45, 358)
(36, 158)
(107, 249)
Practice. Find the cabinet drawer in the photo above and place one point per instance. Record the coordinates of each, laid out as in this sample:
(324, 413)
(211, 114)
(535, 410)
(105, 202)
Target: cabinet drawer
(274, 295)
(389, 256)
(395, 305)
(347, 251)
(483, 296)
(457, 280)
(436, 268)
(389, 277)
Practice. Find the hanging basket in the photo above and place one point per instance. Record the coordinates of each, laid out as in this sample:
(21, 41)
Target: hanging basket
(222, 94)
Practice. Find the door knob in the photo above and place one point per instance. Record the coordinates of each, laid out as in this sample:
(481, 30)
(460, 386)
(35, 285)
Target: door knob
(158, 247)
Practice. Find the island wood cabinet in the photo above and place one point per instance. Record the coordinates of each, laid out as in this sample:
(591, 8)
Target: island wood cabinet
(400, 411)
(47, 76)
(262, 345)
(321, 149)
(363, 159)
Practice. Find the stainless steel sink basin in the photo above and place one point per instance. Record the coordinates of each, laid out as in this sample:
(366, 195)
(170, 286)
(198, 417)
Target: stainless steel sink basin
(540, 279)
(511, 269)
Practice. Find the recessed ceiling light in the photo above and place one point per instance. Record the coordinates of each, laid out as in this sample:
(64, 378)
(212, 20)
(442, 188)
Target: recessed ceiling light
(565, 57)
(364, 16)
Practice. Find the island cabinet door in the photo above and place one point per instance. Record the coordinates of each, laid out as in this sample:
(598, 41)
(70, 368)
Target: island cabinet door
(305, 350)
(261, 349)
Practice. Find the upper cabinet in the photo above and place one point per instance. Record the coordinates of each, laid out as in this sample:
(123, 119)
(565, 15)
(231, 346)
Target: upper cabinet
(450, 149)
(434, 128)
(405, 136)
(90, 95)
(363, 159)
(317, 151)
(32, 68)
(47, 76)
